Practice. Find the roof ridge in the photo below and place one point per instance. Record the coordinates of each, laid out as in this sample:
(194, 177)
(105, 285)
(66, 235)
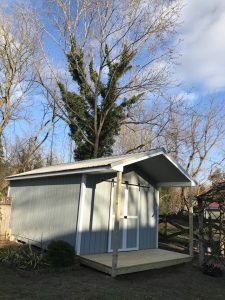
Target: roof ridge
(105, 157)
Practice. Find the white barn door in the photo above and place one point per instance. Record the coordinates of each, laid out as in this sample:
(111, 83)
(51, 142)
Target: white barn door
(129, 218)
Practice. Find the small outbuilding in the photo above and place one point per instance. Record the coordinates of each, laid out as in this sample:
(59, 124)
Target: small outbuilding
(104, 207)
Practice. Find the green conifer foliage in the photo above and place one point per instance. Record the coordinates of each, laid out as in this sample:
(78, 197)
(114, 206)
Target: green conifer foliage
(96, 110)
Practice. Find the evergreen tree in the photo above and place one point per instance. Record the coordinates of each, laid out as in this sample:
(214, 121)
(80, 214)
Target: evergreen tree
(96, 110)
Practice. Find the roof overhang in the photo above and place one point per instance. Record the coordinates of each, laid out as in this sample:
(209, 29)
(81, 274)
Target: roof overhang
(105, 169)
(156, 165)
(162, 169)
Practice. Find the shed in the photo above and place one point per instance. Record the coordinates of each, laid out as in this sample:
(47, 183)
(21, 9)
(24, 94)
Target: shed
(106, 206)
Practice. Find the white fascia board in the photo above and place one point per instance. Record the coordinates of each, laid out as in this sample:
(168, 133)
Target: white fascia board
(176, 184)
(192, 182)
(106, 169)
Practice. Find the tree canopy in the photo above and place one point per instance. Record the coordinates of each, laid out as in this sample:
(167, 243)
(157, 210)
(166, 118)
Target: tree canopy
(96, 110)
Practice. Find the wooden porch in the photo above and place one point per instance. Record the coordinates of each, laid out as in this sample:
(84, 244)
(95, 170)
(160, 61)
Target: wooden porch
(134, 261)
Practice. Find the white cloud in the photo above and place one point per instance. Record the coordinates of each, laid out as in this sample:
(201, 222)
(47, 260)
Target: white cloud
(185, 96)
(203, 45)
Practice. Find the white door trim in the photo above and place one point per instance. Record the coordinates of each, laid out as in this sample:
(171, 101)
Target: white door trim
(125, 212)
(80, 213)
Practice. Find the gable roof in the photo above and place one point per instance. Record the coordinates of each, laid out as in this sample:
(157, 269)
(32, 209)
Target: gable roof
(150, 162)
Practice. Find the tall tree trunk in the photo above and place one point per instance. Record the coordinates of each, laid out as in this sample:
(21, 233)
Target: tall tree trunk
(184, 198)
(96, 146)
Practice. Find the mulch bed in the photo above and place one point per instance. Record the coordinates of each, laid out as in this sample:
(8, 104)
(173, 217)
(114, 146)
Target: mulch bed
(178, 282)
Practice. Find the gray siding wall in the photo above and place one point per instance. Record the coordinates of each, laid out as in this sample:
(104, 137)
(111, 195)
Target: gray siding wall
(95, 226)
(133, 178)
(148, 222)
(45, 209)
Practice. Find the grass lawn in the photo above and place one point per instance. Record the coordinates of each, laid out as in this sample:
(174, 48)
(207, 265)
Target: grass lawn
(178, 282)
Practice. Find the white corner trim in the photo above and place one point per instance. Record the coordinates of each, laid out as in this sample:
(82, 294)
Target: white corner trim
(8, 192)
(156, 195)
(111, 225)
(80, 213)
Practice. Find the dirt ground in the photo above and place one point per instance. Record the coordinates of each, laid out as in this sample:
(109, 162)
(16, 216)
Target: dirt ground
(179, 282)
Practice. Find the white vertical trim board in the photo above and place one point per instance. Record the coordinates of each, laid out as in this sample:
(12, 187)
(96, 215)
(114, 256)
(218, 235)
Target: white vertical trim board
(111, 219)
(8, 192)
(124, 221)
(157, 217)
(138, 216)
(80, 213)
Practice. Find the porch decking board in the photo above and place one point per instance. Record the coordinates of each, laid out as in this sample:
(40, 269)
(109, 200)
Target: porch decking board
(135, 261)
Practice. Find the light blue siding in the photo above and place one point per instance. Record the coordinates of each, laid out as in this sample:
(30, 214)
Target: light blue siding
(148, 219)
(95, 226)
(45, 209)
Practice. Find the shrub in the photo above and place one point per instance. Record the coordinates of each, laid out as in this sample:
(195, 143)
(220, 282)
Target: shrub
(60, 254)
(213, 269)
(23, 257)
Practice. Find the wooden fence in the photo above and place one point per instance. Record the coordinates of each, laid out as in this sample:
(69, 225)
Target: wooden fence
(5, 211)
(6, 201)
(179, 224)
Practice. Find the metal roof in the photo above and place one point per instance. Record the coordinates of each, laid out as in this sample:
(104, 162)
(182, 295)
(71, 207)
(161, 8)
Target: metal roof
(116, 163)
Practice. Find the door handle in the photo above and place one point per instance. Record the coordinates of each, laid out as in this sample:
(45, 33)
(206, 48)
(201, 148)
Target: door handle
(125, 217)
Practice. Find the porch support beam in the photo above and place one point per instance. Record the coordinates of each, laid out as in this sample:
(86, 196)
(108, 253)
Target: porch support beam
(116, 237)
(201, 232)
(191, 227)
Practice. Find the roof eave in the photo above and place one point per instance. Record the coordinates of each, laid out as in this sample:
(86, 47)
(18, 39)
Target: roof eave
(188, 183)
(105, 169)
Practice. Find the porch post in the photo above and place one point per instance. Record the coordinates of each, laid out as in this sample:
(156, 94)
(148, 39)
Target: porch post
(116, 238)
(191, 229)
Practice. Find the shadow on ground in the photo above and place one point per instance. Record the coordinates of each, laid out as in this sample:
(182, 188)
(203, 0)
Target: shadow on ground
(178, 282)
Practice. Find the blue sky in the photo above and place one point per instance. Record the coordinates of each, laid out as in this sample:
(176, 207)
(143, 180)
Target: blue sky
(200, 68)
(202, 64)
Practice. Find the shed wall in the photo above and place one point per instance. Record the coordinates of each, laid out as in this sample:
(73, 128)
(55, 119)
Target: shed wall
(95, 226)
(45, 209)
(148, 221)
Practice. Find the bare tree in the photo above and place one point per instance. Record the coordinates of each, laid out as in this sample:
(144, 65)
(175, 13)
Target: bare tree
(19, 56)
(97, 30)
(216, 176)
(191, 133)
(25, 155)
(143, 127)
